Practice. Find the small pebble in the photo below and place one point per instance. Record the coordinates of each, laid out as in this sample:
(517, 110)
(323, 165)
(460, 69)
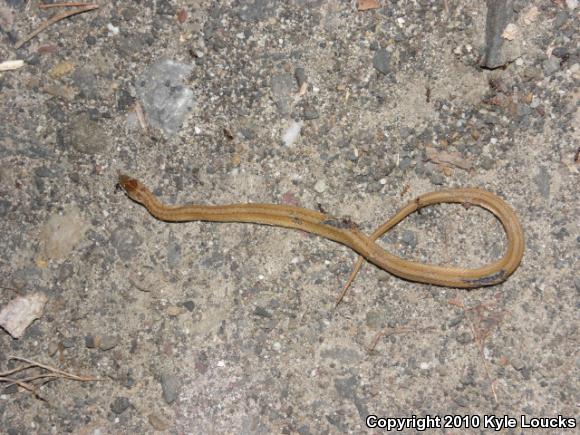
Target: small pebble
(486, 163)
(189, 305)
(120, 405)
(292, 133)
(381, 61)
(560, 52)
(4, 207)
(171, 385)
(320, 186)
(108, 342)
(437, 179)
(157, 422)
(91, 341)
(67, 343)
(409, 238)
(518, 364)
(300, 76)
(310, 113)
(262, 312)
(53, 348)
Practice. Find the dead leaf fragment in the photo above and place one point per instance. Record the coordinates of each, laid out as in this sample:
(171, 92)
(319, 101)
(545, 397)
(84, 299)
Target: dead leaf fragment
(157, 422)
(67, 93)
(21, 312)
(61, 69)
(365, 5)
(47, 49)
(448, 158)
(530, 15)
(182, 16)
(174, 311)
(510, 32)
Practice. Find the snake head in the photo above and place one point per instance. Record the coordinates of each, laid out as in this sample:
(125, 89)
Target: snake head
(132, 188)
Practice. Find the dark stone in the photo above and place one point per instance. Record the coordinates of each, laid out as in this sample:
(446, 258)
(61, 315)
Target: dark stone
(300, 76)
(171, 385)
(561, 19)
(4, 207)
(68, 343)
(262, 312)
(409, 238)
(437, 179)
(499, 14)
(120, 405)
(561, 52)
(381, 61)
(310, 113)
(189, 305)
(124, 100)
(33, 59)
(90, 341)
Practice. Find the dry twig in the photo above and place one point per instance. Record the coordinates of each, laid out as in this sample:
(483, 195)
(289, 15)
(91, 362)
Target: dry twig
(481, 330)
(65, 4)
(33, 381)
(53, 20)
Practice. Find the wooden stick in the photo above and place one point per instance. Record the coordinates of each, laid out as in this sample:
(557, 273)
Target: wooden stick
(53, 20)
(68, 4)
(54, 370)
(16, 370)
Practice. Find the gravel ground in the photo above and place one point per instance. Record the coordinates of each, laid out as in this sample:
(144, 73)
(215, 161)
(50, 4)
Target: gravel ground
(231, 328)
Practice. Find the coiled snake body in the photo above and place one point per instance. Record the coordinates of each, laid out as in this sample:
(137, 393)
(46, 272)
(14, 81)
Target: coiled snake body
(345, 232)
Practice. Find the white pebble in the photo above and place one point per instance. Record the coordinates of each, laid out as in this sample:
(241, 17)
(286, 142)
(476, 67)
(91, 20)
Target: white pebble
(292, 133)
(320, 186)
(113, 30)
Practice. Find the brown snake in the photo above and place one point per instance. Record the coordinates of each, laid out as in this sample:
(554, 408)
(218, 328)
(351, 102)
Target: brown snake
(345, 232)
